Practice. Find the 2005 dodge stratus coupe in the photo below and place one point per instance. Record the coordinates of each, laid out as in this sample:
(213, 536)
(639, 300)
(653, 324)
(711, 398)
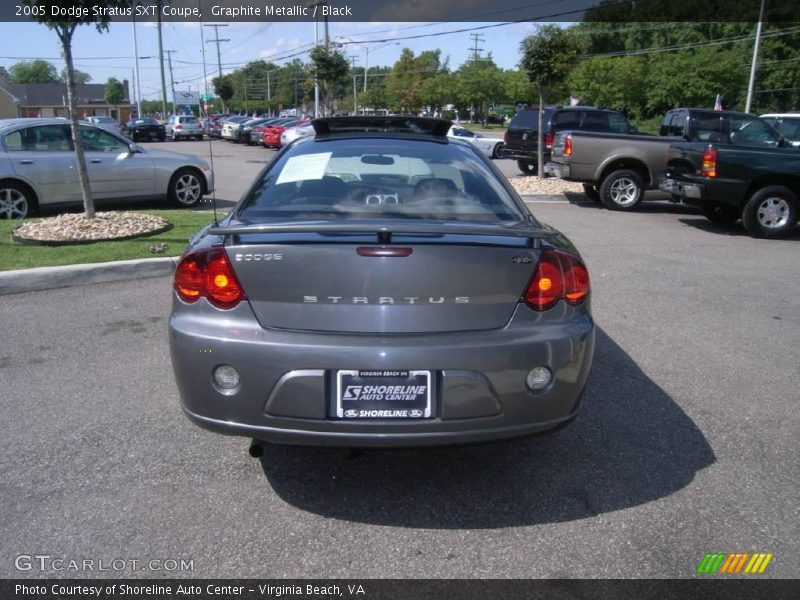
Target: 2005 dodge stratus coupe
(380, 284)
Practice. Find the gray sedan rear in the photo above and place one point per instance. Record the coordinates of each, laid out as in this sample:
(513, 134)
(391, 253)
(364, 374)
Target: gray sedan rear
(381, 288)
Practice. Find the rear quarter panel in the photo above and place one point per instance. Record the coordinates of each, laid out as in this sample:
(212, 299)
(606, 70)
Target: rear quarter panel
(740, 169)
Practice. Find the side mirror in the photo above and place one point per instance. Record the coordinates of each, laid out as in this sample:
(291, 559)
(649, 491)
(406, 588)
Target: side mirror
(634, 129)
(133, 148)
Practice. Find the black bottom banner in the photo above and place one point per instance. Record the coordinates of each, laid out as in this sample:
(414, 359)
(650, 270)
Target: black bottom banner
(402, 589)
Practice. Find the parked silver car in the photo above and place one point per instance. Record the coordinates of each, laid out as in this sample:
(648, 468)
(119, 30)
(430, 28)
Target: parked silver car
(37, 168)
(184, 127)
(381, 284)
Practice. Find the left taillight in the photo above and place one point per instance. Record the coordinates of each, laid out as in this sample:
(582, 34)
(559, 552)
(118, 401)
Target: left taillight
(710, 162)
(207, 274)
(568, 146)
(559, 275)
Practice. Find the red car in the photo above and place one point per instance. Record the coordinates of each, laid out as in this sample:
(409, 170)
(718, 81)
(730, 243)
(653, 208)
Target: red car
(271, 136)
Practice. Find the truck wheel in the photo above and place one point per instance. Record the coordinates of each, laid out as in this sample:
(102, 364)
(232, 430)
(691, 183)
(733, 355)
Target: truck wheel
(721, 213)
(527, 168)
(771, 212)
(591, 192)
(622, 190)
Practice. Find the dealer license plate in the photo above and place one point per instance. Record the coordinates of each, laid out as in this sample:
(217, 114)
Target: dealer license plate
(383, 394)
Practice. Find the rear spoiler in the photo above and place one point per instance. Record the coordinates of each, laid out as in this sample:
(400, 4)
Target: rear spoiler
(382, 230)
(394, 124)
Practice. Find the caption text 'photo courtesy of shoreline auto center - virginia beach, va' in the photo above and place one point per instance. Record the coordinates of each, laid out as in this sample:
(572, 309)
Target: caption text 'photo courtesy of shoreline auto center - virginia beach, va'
(399, 299)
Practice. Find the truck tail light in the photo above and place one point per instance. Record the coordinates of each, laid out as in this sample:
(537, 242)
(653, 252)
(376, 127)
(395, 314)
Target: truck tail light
(207, 274)
(568, 146)
(506, 136)
(559, 275)
(548, 140)
(178, 126)
(710, 162)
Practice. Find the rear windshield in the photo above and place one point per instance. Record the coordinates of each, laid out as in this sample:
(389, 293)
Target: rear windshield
(790, 128)
(188, 119)
(380, 178)
(529, 119)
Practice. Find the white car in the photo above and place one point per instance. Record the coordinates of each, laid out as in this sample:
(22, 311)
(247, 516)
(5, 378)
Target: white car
(292, 133)
(230, 126)
(489, 146)
(787, 124)
(106, 123)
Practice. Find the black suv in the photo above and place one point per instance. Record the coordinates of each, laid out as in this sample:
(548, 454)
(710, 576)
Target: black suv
(521, 136)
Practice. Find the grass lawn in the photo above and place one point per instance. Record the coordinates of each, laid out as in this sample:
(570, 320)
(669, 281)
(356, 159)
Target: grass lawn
(20, 256)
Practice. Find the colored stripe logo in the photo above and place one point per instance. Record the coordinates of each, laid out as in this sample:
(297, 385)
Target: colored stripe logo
(736, 562)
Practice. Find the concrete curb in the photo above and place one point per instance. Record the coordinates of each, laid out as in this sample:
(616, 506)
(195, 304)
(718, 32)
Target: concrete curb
(47, 278)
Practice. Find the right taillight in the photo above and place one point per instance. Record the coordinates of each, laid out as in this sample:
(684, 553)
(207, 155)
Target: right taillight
(710, 162)
(559, 275)
(505, 136)
(548, 140)
(568, 147)
(207, 274)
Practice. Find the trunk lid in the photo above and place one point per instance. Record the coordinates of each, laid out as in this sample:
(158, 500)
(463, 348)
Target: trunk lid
(443, 285)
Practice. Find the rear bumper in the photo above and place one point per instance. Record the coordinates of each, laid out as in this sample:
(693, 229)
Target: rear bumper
(557, 170)
(519, 154)
(178, 133)
(691, 193)
(286, 391)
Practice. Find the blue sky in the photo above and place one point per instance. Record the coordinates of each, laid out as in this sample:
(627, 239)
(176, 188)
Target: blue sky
(111, 54)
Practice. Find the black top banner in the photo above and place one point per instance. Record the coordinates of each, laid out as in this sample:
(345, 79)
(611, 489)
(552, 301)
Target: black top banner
(232, 11)
(406, 589)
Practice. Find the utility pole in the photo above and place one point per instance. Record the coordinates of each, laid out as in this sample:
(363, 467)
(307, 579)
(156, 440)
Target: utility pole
(138, 84)
(219, 55)
(169, 54)
(269, 95)
(752, 83)
(366, 67)
(204, 103)
(476, 39)
(316, 79)
(355, 98)
(161, 65)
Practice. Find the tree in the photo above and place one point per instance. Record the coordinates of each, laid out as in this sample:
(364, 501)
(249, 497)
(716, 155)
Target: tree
(65, 30)
(330, 66)
(81, 78)
(114, 91)
(404, 83)
(479, 83)
(547, 57)
(34, 71)
(223, 87)
(613, 82)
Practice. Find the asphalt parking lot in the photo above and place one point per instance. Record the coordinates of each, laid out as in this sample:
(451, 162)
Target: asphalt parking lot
(688, 442)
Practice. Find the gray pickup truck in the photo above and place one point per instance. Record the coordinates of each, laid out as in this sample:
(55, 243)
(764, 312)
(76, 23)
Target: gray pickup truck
(616, 169)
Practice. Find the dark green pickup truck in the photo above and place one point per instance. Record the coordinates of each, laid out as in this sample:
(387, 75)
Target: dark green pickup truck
(746, 171)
